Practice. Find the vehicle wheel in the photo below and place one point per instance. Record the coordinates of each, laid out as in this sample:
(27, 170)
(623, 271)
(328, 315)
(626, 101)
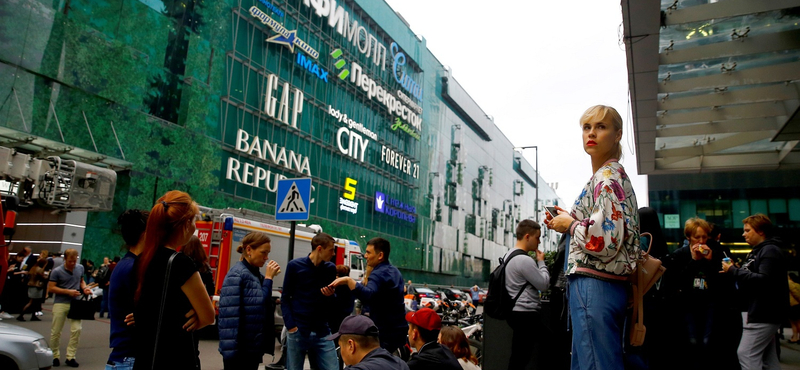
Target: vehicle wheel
(7, 363)
(477, 349)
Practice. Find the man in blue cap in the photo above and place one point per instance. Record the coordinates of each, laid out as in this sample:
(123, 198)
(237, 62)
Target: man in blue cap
(361, 348)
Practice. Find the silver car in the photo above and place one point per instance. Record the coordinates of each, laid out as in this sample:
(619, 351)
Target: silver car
(23, 349)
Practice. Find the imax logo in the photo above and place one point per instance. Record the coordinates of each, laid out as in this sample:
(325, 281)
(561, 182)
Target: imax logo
(312, 67)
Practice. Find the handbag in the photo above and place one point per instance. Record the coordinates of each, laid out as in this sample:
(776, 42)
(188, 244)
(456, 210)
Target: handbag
(648, 271)
(82, 308)
(161, 310)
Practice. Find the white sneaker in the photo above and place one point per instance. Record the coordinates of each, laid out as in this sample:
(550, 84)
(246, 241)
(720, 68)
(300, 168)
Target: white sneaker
(39, 313)
(4, 315)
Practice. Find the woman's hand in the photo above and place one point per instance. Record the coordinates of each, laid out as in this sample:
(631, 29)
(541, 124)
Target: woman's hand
(697, 252)
(129, 320)
(561, 223)
(273, 269)
(725, 266)
(191, 323)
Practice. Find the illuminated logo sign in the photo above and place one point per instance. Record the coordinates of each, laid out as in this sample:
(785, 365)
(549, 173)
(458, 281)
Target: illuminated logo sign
(404, 127)
(271, 7)
(347, 202)
(284, 36)
(340, 63)
(271, 103)
(356, 145)
(338, 18)
(260, 177)
(400, 74)
(399, 161)
(395, 208)
(312, 67)
(351, 124)
(394, 105)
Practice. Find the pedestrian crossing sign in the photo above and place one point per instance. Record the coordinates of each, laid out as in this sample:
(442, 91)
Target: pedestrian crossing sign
(293, 199)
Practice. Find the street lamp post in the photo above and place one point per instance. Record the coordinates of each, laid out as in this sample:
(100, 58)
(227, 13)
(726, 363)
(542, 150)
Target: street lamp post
(536, 205)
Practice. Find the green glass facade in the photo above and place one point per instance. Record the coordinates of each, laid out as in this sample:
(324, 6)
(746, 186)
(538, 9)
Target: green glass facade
(208, 97)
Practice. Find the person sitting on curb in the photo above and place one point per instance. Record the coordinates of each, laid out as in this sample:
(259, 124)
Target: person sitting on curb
(361, 348)
(423, 332)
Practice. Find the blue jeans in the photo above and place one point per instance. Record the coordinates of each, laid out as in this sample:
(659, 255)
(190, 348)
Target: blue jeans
(597, 308)
(125, 364)
(104, 302)
(319, 350)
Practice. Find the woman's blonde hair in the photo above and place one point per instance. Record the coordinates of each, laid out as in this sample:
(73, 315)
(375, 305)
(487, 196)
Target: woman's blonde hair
(693, 224)
(598, 113)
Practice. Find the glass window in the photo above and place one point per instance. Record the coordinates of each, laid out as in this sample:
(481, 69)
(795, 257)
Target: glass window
(758, 206)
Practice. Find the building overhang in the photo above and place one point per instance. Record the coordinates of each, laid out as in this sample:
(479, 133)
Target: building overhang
(714, 86)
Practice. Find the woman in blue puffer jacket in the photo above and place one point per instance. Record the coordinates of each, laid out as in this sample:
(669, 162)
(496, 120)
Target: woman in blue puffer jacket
(246, 320)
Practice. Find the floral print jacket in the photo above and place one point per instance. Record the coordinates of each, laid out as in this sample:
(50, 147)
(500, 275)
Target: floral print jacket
(605, 238)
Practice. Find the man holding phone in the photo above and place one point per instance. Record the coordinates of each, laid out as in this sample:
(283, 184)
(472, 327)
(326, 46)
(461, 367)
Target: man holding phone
(530, 276)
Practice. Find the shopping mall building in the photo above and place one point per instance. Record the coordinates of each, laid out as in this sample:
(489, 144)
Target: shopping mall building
(221, 99)
(715, 90)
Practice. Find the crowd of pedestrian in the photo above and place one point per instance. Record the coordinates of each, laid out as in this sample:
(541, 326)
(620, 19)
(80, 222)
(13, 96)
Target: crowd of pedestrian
(717, 312)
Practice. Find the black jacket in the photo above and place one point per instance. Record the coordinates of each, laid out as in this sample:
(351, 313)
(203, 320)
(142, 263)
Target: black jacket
(379, 359)
(762, 280)
(434, 356)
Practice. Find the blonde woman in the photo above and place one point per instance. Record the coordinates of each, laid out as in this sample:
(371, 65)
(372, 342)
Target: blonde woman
(603, 232)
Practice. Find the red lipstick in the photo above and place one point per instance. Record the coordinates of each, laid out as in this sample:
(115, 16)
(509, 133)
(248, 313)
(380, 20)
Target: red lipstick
(591, 143)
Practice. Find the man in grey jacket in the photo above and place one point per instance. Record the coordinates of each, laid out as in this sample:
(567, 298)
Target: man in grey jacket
(530, 276)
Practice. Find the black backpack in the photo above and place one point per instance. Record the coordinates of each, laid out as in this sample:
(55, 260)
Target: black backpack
(498, 302)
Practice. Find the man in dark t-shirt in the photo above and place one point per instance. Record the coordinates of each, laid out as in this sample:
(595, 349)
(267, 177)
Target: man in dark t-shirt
(121, 290)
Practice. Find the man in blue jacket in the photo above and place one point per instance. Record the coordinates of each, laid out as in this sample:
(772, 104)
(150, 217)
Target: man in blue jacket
(306, 302)
(360, 346)
(382, 293)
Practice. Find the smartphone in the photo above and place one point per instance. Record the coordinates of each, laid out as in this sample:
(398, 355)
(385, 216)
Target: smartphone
(552, 211)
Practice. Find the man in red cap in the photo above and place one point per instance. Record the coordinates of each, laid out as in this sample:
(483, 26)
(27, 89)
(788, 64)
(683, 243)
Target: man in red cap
(361, 348)
(423, 331)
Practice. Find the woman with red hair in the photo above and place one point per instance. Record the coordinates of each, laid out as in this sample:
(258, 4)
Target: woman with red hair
(455, 339)
(169, 289)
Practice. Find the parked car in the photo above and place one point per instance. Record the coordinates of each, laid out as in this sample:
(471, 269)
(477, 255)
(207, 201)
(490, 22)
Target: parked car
(454, 294)
(428, 298)
(23, 349)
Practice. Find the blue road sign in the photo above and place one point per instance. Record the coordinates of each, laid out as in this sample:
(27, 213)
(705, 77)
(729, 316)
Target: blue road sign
(293, 199)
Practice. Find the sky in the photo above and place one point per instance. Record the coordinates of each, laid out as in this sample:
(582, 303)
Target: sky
(536, 66)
